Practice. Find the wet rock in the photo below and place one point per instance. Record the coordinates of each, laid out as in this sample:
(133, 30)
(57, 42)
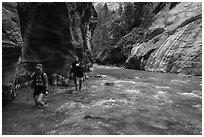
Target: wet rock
(87, 116)
(92, 117)
(109, 84)
(100, 76)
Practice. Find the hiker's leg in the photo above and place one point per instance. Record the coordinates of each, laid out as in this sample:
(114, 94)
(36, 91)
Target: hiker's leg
(68, 83)
(75, 82)
(85, 76)
(36, 100)
(80, 82)
(40, 97)
(35, 95)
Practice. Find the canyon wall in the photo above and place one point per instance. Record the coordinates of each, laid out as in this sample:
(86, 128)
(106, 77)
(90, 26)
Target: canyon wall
(44, 32)
(179, 48)
(172, 43)
(53, 33)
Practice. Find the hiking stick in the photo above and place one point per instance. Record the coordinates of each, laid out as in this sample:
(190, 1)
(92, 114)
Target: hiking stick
(27, 95)
(85, 84)
(68, 82)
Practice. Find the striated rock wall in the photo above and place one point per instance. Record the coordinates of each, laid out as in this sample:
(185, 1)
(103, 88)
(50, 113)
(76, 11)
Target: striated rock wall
(179, 48)
(53, 33)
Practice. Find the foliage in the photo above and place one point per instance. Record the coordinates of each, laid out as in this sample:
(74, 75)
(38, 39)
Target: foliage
(147, 17)
(120, 10)
(113, 25)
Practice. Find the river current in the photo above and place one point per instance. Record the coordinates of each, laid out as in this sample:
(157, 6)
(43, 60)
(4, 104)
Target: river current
(113, 101)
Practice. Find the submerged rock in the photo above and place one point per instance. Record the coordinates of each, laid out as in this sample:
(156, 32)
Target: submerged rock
(109, 84)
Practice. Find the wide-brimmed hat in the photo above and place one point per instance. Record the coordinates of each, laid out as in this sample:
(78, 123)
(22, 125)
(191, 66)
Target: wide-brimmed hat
(39, 66)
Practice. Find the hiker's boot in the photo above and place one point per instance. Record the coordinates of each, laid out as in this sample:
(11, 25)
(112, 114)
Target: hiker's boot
(36, 103)
(76, 88)
(42, 103)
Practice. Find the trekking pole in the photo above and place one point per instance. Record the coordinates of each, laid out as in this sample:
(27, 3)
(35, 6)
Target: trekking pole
(85, 84)
(27, 95)
(69, 78)
(68, 82)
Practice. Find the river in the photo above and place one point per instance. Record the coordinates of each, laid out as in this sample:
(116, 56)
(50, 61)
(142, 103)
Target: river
(113, 101)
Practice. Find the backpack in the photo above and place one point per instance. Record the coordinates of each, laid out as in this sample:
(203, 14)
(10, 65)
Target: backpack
(38, 81)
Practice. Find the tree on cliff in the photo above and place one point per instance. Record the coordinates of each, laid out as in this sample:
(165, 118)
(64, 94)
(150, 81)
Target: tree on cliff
(117, 24)
(132, 14)
(105, 11)
(128, 15)
(147, 17)
(120, 10)
(101, 37)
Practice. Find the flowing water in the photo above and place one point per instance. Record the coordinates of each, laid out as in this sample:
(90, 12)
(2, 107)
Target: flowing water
(113, 101)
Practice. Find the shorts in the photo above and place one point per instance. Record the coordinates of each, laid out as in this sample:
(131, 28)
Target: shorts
(38, 90)
(79, 75)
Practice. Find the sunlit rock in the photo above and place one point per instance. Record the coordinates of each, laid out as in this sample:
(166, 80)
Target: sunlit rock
(179, 48)
(172, 43)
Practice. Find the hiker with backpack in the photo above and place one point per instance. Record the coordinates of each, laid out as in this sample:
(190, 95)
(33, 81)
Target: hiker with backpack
(40, 84)
(77, 73)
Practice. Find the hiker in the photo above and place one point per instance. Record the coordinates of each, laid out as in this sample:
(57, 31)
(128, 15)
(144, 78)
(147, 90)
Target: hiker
(77, 73)
(40, 84)
(54, 79)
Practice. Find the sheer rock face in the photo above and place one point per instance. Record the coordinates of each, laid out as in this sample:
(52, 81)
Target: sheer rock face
(53, 33)
(179, 48)
(11, 49)
(11, 42)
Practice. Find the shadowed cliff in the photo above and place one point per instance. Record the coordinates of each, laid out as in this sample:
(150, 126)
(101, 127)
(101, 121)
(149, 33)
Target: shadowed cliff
(48, 33)
(53, 33)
